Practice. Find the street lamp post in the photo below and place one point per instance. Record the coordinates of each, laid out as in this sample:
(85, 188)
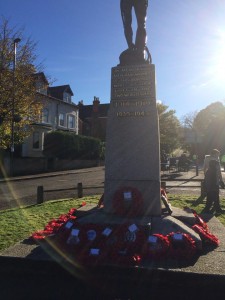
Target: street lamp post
(15, 42)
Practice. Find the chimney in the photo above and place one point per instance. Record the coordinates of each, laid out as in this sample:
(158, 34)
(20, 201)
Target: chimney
(96, 103)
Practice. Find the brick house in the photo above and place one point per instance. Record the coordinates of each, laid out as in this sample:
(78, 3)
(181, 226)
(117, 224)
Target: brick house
(93, 119)
(59, 113)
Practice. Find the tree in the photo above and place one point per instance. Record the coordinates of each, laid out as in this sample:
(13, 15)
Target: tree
(208, 126)
(190, 134)
(211, 122)
(215, 136)
(16, 85)
(169, 127)
(188, 120)
(207, 115)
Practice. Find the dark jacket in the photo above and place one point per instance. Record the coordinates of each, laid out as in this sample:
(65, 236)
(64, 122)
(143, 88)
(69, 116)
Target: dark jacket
(212, 178)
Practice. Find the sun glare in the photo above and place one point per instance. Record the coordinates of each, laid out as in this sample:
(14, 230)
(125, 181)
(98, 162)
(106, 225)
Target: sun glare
(217, 63)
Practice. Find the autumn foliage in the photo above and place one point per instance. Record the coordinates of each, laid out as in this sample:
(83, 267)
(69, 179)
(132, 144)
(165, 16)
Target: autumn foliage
(16, 85)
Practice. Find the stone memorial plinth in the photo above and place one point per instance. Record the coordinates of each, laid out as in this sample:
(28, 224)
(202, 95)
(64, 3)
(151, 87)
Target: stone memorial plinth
(132, 142)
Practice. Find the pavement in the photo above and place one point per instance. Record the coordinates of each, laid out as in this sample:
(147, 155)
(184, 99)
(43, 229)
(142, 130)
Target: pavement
(50, 174)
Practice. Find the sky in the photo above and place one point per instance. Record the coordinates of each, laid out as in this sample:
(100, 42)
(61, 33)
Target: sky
(78, 42)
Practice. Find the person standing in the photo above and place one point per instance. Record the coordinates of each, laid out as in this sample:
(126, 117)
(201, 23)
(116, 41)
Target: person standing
(214, 155)
(212, 185)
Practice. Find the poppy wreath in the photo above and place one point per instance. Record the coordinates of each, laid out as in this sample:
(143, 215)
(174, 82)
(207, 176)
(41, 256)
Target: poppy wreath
(199, 221)
(124, 207)
(128, 245)
(165, 201)
(55, 225)
(40, 235)
(90, 249)
(64, 230)
(156, 247)
(205, 235)
(182, 245)
(163, 193)
(98, 252)
(50, 229)
(67, 236)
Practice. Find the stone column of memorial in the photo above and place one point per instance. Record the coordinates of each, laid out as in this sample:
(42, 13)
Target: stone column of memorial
(132, 165)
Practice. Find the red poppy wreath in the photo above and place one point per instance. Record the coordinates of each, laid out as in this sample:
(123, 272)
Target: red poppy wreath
(128, 201)
(128, 247)
(157, 246)
(182, 245)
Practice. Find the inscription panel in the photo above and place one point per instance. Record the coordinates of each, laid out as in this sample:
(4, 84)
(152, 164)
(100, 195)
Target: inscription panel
(137, 108)
(131, 82)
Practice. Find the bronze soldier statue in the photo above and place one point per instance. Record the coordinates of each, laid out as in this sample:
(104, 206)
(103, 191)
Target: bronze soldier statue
(140, 8)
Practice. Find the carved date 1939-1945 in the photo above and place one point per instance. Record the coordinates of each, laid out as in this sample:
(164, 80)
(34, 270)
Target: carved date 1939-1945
(133, 113)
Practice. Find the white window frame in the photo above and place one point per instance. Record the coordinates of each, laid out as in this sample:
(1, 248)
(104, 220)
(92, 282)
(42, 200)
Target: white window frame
(69, 119)
(45, 115)
(62, 119)
(67, 97)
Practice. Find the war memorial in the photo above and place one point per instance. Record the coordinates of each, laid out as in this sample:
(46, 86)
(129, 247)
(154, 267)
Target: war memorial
(133, 241)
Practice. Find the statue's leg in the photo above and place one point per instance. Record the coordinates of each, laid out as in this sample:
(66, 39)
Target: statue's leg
(126, 13)
(140, 7)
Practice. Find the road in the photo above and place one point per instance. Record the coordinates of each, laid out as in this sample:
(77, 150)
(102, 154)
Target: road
(23, 191)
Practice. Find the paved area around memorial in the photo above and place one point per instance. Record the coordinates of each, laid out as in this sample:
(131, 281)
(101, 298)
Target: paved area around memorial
(215, 257)
(204, 275)
(28, 269)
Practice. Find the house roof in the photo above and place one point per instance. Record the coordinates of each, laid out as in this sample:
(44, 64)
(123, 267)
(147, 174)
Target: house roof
(86, 111)
(41, 76)
(56, 99)
(57, 91)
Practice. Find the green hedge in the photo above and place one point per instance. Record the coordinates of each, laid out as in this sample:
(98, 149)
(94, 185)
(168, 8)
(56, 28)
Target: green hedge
(68, 145)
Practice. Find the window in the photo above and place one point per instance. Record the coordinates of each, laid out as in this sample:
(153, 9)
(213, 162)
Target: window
(41, 88)
(61, 120)
(45, 115)
(71, 121)
(36, 143)
(67, 97)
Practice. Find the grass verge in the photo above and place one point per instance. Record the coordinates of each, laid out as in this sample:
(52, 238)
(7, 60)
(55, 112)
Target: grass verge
(19, 223)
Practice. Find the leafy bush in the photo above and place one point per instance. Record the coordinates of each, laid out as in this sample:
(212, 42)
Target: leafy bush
(68, 145)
